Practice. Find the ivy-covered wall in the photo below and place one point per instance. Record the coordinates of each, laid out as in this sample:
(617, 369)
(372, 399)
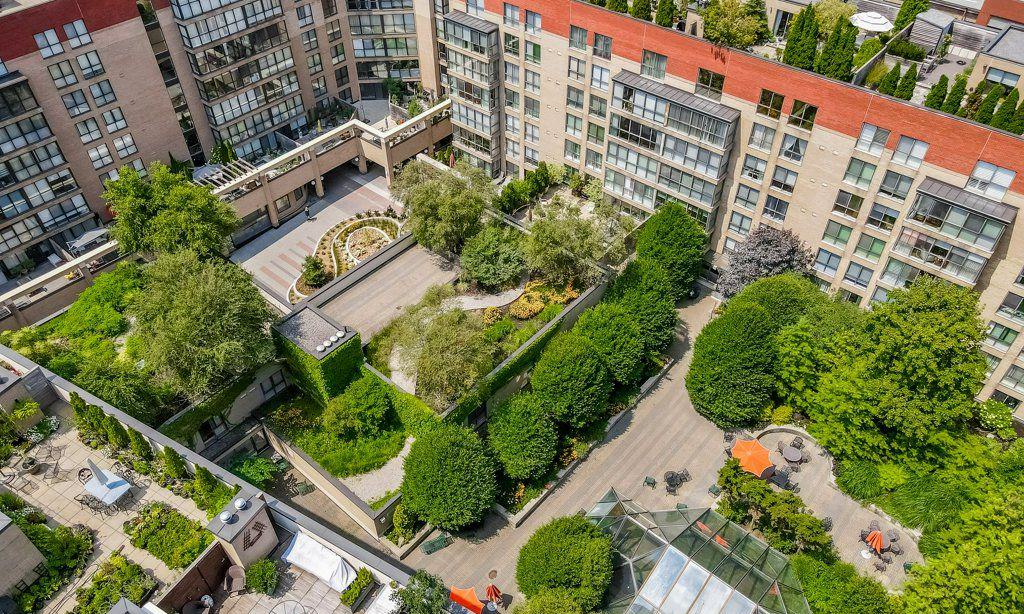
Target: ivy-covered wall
(325, 379)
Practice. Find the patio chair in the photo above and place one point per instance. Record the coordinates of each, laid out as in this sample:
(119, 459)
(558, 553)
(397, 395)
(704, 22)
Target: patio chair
(886, 558)
(84, 475)
(728, 451)
(794, 468)
(780, 446)
(650, 482)
(805, 457)
(729, 436)
(892, 535)
(798, 443)
(896, 549)
(880, 566)
(873, 525)
(684, 475)
(864, 534)
(714, 490)
(234, 580)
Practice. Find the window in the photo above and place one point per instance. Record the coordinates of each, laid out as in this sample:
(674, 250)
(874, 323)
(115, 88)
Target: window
(572, 150)
(511, 15)
(577, 38)
(730, 245)
(783, 179)
(3, 68)
(847, 204)
(956, 222)
(125, 146)
(826, 262)
(880, 295)
(836, 234)
(88, 130)
(1020, 279)
(531, 133)
(858, 274)
(334, 31)
(1014, 378)
(990, 180)
(802, 115)
(593, 160)
(602, 46)
(532, 82)
(599, 77)
(512, 170)
(1002, 77)
(512, 124)
(531, 155)
(319, 87)
(859, 173)
(574, 97)
(305, 15)
(338, 56)
(882, 217)
(577, 68)
(595, 133)
(100, 156)
(692, 156)
(653, 64)
(793, 148)
(77, 34)
(573, 125)
(533, 22)
(48, 44)
(869, 247)
(102, 93)
(511, 148)
(753, 168)
(308, 39)
(1012, 307)
(775, 209)
(631, 161)
(511, 99)
(532, 107)
(910, 152)
(1000, 336)
(532, 52)
(62, 74)
(895, 185)
(709, 84)
(848, 296)
(314, 63)
(511, 73)
(475, 7)
(511, 44)
(75, 103)
(90, 65)
(598, 106)
(872, 139)
(747, 196)
(739, 223)
(1005, 399)
(114, 120)
(761, 137)
(770, 104)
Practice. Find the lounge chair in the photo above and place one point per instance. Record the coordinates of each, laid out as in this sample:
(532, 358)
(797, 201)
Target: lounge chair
(864, 534)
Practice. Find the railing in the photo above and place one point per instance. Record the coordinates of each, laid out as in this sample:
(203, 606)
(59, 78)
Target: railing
(967, 273)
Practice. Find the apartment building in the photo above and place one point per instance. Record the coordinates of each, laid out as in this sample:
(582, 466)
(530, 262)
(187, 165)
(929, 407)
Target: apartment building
(883, 190)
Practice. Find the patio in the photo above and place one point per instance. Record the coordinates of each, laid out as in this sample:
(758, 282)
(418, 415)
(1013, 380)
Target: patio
(56, 499)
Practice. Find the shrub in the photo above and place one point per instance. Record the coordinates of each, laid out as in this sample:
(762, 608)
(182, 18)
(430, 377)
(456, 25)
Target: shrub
(891, 476)
(644, 289)
(859, 479)
(423, 594)
(549, 601)
(617, 337)
(494, 257)
(903, 48)
(262, 577)
(209, 493)
(836, 588)
(168, 535)
(140, 445)
(117, 577)
(571, 381)
(783, 414)
(313, 272)
(995, 416)
(364, 579)
(256, 470)
(174, 465)
(676, 241)
(404, 523)
(876, 73)
(523, 437)
(567, 553)
(116, 435)
(767, 251)
(868, 49)
(786, 297)
(363, 410)
(449, 478)
(731, 377)
(322, 379)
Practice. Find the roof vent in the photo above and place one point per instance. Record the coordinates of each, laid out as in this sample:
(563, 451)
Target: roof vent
(320, 348)
(241, 503)
(227, 517)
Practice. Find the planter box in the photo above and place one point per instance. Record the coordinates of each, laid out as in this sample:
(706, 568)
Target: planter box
(364, 596)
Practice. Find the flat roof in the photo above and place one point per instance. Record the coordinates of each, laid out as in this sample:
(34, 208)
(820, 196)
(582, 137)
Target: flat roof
(968, 200)
(13, 6)
(312, 330)
(1009, 45)
(4, 521)
(474, 23)
(684, 98)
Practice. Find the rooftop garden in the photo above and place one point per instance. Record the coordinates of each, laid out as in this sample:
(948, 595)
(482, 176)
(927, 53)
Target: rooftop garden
(168, 535)
(890, 393)
(117, 577)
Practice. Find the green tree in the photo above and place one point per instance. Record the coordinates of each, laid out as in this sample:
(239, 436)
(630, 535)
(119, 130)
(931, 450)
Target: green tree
(523, 437)
(165, 212)
(567, 553)
(200, 322)
(905, 88)
(449, 478)
(644, 289)
(562, 243)
(830, 12)
(802, 40)
(549, 601)
(956, 95)
(974, 99)
(787, 297)
(988, 106)
(757, 10)
(174, 465)
(1004, 117)
(116, 433)
(890, 81)
(222, 153)
(766, 252)
(422, 594)
(313, 272)
(868, 49)
(363, 410)
(125, 387)
(140, 445)
(731, 378)
(444, 207)
(494, 258)
(909, 9)
(641, 9)
(571, 381)
(454, 355)
(666, 13)
(1018, 120)
(204, 484)
(620, 6)
(729, 23)
(836, 59)
(823, 63)
(837, 588)
(676, 241)
(937, 94)
(617, 337)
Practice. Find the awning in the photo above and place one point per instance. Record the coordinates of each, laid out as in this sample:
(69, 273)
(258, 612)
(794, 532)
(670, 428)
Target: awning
(753, 456)
(466, 597)
(88, 238)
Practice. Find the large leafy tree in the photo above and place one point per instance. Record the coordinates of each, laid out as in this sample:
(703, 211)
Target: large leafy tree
(568, 553)
(644, 289)
(830, 12)
(164, 212)
(676, 241)
(422, 594)
(730, 23)
(494, 257)
(444, 208)
(449, 478)
(523, 437)
(453, 356)
(802, 40)
(937, 94)
(562, 243)
(200, 322)
(617, 337)
(767, 251)
(571, 381)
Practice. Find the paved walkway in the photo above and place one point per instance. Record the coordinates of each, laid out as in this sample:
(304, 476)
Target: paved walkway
(275, 257)
(470, 302)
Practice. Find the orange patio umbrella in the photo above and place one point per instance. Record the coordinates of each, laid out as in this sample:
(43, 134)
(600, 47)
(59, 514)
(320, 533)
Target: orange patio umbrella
(493, 593)
(876, 540)
(466, 597)
(753, 456)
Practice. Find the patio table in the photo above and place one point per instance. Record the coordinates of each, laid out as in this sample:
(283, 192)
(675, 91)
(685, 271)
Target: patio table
(110, 489)
(791, 454)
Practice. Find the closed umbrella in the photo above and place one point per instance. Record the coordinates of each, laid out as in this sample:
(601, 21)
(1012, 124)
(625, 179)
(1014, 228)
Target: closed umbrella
(97, 473)
(876, 540)
(493, 594)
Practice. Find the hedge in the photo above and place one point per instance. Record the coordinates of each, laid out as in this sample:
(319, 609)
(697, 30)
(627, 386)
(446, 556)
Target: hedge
(168, 535)
(322, 379)
(117, 577)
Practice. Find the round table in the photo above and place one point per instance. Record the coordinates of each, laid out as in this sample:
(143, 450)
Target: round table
(288, 607)
(792, 455)
(865, 554)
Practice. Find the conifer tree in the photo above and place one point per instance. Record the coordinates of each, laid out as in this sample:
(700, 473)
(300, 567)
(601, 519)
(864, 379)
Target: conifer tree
(1018, 120)
(973, 100)
(802, 40)
(843, 65)
(621, 6)
(988, 105)
(889, 82)
(826, 59)
(905, 89)
(666, 13)
(641, 9)
(1004, 118)
(908, 11)
(956, 95)
(937, 95)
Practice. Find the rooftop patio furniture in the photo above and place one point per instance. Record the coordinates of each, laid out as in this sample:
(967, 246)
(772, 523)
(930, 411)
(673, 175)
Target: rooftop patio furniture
(437, 543)
(106, 486)
(729, 436)
(650, 482)
(714, 490)
(234, 580)
(195, 607)
(874, 526)
(310, 555)
(880, 566)
(684, 475)
(54, 474)
(780, 446)
(896, 549)
(805, 457)
(798, 442)
(792, 454)
(793, 467)
(892, 535)
(864, 534)
(886, 558)
(304, 488)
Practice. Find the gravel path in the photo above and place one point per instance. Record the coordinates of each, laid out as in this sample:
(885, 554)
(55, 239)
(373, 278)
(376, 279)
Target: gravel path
(472, 302)
(372, 485)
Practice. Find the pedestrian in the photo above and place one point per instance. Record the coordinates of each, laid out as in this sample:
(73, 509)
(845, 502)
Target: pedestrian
(307, 212)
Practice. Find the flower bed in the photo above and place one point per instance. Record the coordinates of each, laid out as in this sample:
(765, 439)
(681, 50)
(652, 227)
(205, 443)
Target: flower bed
(169, 536)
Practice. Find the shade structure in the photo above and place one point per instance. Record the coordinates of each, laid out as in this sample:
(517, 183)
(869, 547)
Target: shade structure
(876, 540)
(871, 21)
(753, 456)
(466, 597)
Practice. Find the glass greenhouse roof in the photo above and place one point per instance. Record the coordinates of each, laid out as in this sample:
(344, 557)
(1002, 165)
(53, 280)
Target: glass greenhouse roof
(692, 561)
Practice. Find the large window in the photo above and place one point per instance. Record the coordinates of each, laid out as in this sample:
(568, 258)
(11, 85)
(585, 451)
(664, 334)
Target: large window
(895, 185)
(761, 137)
(532, 52)
(577, 37)
(910, 152)
(77, 33)
(599, 77)
(1002, 77)
(709, 84)
(847, 204)
(775, 208)
(532, 82)
(634, 132)
(598, 106)
(511, 15)
(747, 196)
(826, 262)
(872, 139)
(858, 275)
(573, 125)
(770, 104)
(753, 168)
(802, 115)
(48, 43)
(602, 46)
(75, 103)
(577, 68)
(511, 44)
(869, 247)
(739, 223)
(62, 74)
(572, 150)
(991, 180)
(25, 132)
(859, 173)
(102, 93)
(953, 260)
(836, 234)
(1012, 307)
(692, 156)
(574, 97)
(653, 64)
(783, 179)
(957, 222)
(90, 65)
(533, 22)
(882, 217)
(631, 161)
(1000, 336)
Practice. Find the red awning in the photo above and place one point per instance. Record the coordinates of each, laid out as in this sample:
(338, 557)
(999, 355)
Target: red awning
(466, 597)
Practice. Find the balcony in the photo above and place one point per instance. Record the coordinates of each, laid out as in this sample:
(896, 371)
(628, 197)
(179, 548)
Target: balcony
(950, 262)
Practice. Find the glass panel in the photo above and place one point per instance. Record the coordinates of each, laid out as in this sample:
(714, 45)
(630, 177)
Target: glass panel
(686, 589)
(664, 576)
